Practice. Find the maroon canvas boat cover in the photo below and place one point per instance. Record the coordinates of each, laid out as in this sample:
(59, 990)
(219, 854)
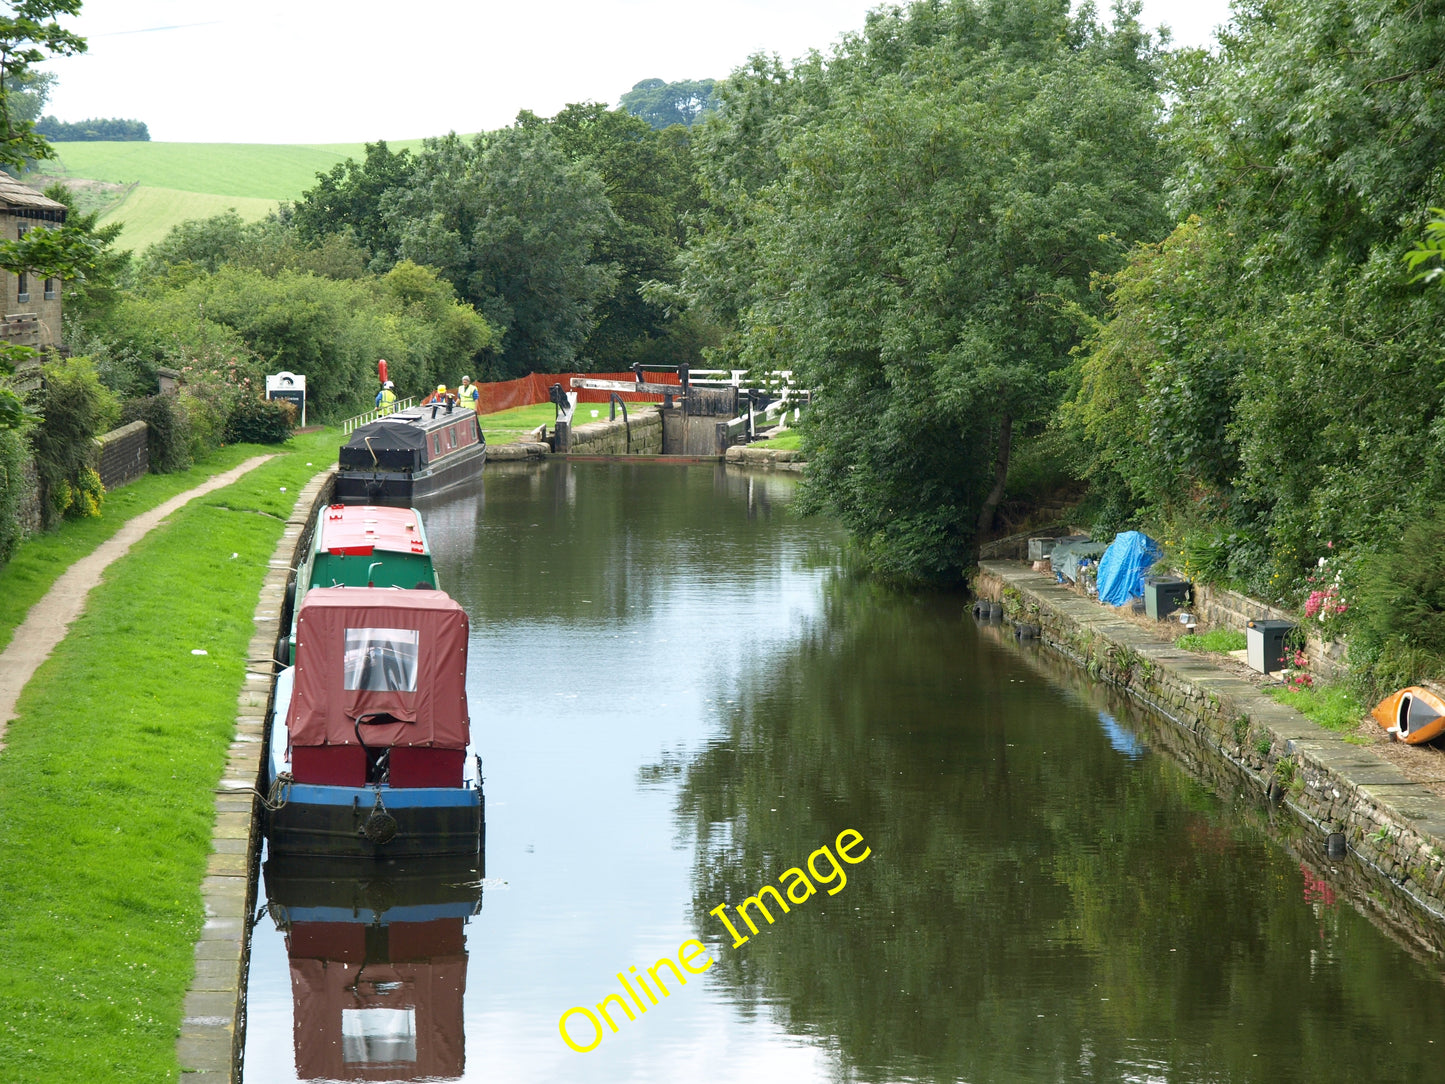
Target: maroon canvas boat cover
(370, 652)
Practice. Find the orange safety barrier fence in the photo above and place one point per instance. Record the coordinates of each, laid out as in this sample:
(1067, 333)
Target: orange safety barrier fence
(533, 388)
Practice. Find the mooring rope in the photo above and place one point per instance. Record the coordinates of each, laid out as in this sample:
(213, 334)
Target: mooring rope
(280, 792)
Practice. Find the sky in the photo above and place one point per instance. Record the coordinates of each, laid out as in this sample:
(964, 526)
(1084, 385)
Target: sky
(345, 71)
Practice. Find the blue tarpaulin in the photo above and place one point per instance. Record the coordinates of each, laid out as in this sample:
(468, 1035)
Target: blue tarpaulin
(1122, 568)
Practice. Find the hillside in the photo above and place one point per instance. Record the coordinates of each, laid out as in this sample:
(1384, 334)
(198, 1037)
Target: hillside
(152, 186)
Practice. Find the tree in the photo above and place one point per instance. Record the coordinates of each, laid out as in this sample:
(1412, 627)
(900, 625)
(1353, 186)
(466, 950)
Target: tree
(29, 33)
(515, 226)
(94, 288)
(197, 244)
(1283, 370)
(349, 199)
(93, 129)
(916, 222)
(663, 104)
(650, 183)
(28, 94)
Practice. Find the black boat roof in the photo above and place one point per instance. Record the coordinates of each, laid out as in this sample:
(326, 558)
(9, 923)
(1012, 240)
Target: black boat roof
(405, 428)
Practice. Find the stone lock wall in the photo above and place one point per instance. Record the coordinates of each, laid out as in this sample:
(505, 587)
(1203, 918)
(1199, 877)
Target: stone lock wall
(1392, 826)
(610, 437)
(761, 457)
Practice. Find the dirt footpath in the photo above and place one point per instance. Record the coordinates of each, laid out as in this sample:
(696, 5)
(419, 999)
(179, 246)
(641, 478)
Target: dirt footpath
(49, 619)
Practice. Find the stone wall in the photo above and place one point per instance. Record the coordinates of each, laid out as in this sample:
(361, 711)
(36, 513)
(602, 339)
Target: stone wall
(761, 457)
(610, 437)
(1392, 826)
(122, 455)
(28, 513)
(1230, 610)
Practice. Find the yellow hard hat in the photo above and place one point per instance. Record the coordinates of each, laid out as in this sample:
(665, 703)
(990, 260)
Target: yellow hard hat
(441, 387)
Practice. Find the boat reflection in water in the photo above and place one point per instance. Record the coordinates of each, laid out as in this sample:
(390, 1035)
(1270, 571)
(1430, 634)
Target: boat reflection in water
(378, 964)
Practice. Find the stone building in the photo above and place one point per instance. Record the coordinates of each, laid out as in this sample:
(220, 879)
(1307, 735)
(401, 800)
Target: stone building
(31, 316)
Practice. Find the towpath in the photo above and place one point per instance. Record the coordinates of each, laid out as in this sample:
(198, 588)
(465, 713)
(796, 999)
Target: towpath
(49, 619)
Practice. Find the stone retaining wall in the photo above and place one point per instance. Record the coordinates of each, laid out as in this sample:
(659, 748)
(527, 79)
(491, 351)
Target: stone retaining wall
(610, 437)
(519, 450)
(122, 455)
(761, 457)
(1394, 828)
(212, 1039)
(1231, 610)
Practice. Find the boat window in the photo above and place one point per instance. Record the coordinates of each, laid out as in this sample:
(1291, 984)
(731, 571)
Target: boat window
(452, 437)
(436, 443)
(381, 660)
(378, 1036)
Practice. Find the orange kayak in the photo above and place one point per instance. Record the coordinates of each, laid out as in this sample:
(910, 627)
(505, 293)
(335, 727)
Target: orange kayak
(1415, 714)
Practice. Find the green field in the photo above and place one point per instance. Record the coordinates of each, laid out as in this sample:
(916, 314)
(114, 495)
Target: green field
(167, 183)
(256, 171)
(149, 213)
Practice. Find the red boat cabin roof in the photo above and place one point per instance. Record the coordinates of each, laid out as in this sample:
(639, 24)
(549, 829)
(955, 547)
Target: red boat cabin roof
(380, 666)
(354, 527)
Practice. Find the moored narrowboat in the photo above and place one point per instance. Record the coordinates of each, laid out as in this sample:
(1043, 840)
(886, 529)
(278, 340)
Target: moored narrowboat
(370, 734)
(360, 545)
(412, 454)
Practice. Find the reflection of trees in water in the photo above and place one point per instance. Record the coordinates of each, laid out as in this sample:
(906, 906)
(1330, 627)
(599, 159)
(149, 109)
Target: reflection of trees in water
(1037, 905)
(610, 540)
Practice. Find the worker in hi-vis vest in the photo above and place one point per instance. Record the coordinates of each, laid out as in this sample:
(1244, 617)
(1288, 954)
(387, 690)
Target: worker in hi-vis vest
(470, 398)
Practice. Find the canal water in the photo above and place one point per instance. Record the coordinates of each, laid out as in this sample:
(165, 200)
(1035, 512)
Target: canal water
(681, 695)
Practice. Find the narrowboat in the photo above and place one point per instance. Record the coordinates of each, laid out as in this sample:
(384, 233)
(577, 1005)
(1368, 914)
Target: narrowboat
(408, 455)
(378, 962)
(362, 545)
(1415, 714)
(370, 749)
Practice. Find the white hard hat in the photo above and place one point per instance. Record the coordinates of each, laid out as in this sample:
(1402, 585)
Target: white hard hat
(388, 384)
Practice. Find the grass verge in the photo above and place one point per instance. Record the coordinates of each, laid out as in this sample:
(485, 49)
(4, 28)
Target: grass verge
(41, 559)
(788, 439)
(1219, 640)
(1333, 707)
(106, 788)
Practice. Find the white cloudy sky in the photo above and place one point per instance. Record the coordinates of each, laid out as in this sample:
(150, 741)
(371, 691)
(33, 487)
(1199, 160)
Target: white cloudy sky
(297, 71)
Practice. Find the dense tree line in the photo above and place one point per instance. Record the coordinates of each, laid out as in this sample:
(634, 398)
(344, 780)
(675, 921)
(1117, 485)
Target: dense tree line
(550, 228)
(1008, 245)
(912, 223)
(1267, 390)
(92, 130)
(664, 104)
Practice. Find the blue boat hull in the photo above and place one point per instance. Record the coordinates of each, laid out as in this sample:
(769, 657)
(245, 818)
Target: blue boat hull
(377, 822)
(373, 821)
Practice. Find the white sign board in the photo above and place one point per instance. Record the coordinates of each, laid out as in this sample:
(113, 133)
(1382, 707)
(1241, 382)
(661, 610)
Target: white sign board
(288, 386)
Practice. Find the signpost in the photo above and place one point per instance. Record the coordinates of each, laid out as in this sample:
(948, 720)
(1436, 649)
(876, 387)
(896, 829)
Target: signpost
(291, 387)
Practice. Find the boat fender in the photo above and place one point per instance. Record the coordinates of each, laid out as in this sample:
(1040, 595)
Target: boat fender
(379, 826)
